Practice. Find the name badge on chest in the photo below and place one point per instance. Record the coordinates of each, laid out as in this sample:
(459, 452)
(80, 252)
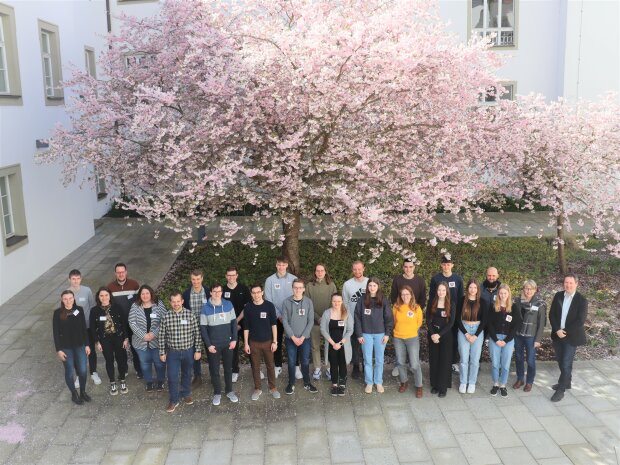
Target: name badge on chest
(444, 314)
(76, 312)
(222, 315)
(301, 311)
(263, 314)
(341, 323)
(184, 322)
(82, 299)
(366, 311)
(508, 318)
(451, 284)
(410, 314)
(227, 295)
(102, 318)
(204, 301)
(534, 308)
(276, 286)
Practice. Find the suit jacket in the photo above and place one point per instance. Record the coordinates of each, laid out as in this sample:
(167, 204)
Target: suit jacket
(575, 320)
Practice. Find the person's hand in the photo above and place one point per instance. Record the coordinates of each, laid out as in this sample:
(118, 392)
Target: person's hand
(197, 356)
(274, 346)
(561, 333)
(360, 340)
(335, 346)
(536, 345)
(385, 339)
(435, 338)
(87, 350)
(472, 338)
(125, 343)
(500, 343)
(163, 358)
(61, 355)
(98, 347)
(232, 345)
(212, 349)
(247, 349)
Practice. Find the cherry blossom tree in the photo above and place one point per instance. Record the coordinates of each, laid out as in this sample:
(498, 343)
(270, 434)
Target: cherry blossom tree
(570, 162)
(362, 112)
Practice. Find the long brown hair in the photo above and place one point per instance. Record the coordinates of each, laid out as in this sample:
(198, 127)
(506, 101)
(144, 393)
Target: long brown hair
(328, 278)
(447, 303)
(412, 303)
(64, 313)
(148, 288)
(508, 300)
(343, 308)
(379, 296)
(470, 312)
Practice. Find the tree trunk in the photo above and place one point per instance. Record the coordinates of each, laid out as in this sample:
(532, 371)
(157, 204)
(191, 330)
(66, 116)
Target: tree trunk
(291, 223)
(561, 243)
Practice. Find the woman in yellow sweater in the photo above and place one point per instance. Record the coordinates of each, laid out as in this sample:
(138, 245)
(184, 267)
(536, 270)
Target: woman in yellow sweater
(407, 322)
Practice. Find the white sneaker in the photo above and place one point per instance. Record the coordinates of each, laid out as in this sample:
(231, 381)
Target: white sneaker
(217, 398)
(316, 374)
(455, 368)
(471, 388)
(235, 377)
(77, 383)
(233, 397)
(278, 371)
(462, 388)
(395, 371)
(328, 374)
(298, 374)
(262, 375)
(96, 378)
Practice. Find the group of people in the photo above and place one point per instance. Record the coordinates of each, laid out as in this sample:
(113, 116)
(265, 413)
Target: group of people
(355, 325)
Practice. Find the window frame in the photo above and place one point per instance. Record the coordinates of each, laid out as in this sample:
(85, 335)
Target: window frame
(49, 35)
(498, 30)
(90, 61)
(13, 96)
(4, 183)
(11, 177)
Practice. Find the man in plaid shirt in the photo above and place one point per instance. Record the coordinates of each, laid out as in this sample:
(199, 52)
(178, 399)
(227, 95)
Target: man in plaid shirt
(179, 346)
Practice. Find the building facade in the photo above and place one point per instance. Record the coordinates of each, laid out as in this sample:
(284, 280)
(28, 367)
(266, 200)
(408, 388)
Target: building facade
(560, 48)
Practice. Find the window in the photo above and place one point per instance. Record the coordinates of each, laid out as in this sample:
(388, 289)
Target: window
(90, 61)
(50, 56)
(10, 84)
(495, 17)
(13, 223)
(100, 186)
(138, 60)
(508, 93)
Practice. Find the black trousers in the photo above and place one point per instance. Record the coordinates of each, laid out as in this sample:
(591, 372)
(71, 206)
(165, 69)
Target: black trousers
(337, 365)
(113, 349)
(224, 354)
(440, 362)
(356, 348)
(235, 358)
(92, 358)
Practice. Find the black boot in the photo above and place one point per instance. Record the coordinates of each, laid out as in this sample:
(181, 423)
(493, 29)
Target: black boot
(76, 398)
(85, 397)
(355, 373)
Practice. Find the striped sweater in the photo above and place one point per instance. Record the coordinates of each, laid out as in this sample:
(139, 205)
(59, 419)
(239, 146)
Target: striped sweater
(218, 323)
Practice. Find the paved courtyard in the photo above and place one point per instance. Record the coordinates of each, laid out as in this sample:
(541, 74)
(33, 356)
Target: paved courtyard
(39, 424)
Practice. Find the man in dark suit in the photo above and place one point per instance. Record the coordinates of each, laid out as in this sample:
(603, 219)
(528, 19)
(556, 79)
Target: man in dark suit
(568, 313)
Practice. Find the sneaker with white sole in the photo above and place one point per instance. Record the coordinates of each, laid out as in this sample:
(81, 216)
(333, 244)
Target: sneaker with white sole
(298, 374)
(235, 377)
(77, 383)
(217, 398)
(316, 374)
(455, 368)
(113, 389)
(256, 394)
(395, 371)
(471, 388)
(124, 389)
(462, 388)
(278, 371)
(232, 397)
(275, 394)
(95, 377)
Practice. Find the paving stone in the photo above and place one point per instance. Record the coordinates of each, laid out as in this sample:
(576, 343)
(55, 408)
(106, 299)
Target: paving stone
(340, 419)
(247, 459)
(583, 454)
(562, 432)
(477, 448)
(92, 449)
(57, 454)
(128, 439)
(73, 431)
(380, 456)
(217, 452)
(462, 423)
(483, 408)
(281, 454)
(345, 448)
(120, 457)
(151, 454)
(250, 441)
(410, 448)
(611, 419)
(597, 403)
(188, 437)
(602, 438)
(515, 456)
(373, 431)
(437, 435)
(281, 432)
(540, 406)
(425, 409)
(11, 355)
(400, 420)
(579, 416)
(520, 418)
(311, 443)
(449, 456)
(540, 445)
(182, 457)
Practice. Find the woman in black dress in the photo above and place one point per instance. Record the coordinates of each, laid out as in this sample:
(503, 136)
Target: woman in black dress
(439, 320)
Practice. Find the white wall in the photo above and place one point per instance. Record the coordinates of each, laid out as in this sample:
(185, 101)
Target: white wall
(58, 219)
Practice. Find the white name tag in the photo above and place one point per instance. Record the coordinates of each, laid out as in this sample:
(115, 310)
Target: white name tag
(76, 312)
(410, 314)
(227, 295)
(154, 315)
(183, 322)
(508, 318)
(444, 314)
(276, 286)
(82, 299)
(366, 311)
(222, 316)
(451, 284)
(340, 322)
(102, 318)
(494, 297)
(302, 311)
(204, 301)
(263, 314)
(129, 297)
(534, 308)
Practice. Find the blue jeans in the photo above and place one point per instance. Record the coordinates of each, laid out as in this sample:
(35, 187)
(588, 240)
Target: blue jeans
(179, 361)
(76, 360)
(470, 354)
(304, 354)
(410, 346)
(149, 357)
(500, 360)
(564, 354)
(524, 345)
(373, 342)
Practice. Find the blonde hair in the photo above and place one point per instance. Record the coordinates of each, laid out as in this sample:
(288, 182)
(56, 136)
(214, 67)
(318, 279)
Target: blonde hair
(528, 283)
(508, 300)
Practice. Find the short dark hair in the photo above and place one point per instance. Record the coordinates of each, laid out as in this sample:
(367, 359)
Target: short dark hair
(299, 280)
(255, 285)
(154, 298)
(120, 264)
(571, 275)
(216, 285)
(282, 259)
(197, 272)
(102, 288)
(74, 272)
(175, 293)
(232, 268)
